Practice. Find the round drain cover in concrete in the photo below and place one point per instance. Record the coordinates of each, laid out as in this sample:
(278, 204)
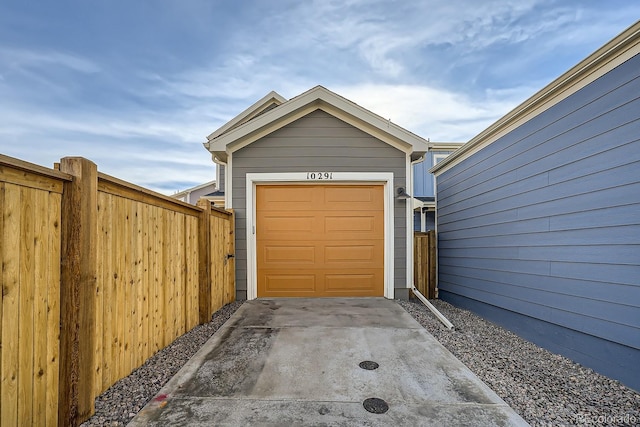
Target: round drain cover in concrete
(375, 405)
(369, 365)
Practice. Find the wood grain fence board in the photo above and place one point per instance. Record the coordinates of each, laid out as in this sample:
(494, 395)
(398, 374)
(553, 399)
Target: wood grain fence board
(127, 190)
(119, 286)
(108, 281)
(182, 275)
(193, 257)
(41, 270)
(101, 240)
(154, 301)
(145, 285)
(216, 264)
(10, 304)
(53, 309)
(27, 179)
(128, 287)
(157, 265)
(166, 277)
(424, 263)
(25, 319)
(204, 264)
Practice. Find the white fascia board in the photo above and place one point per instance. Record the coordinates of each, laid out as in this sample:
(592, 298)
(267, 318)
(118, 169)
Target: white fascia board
(445, 146)
(270, 98)
(189, 190)
(319, 98)
(622, 48)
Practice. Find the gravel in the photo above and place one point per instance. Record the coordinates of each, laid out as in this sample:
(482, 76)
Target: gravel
(543, 387)
(122, 401)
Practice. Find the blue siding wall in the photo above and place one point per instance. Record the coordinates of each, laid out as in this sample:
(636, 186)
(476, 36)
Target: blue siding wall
(423, 181)
(430, 220)
(540, 231)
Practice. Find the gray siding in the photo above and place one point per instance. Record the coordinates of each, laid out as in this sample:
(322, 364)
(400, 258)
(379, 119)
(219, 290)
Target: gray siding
(317, 141)
(221, 177)
(540, 230)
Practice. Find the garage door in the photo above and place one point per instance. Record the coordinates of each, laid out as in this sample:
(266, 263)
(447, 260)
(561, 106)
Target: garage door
(320, 240)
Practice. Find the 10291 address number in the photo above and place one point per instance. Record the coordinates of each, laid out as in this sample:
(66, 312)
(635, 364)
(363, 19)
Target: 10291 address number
(317, 176)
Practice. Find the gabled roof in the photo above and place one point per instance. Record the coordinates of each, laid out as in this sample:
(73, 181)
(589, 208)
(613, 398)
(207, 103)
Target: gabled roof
(269, 101)
(248, 128)
(192, 189)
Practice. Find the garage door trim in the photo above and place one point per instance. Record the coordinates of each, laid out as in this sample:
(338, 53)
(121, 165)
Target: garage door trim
(364, 178)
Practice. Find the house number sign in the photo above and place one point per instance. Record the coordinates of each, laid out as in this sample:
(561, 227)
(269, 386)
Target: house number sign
(318, 176)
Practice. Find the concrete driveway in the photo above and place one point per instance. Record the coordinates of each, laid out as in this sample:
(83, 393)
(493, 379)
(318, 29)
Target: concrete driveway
(296, 362)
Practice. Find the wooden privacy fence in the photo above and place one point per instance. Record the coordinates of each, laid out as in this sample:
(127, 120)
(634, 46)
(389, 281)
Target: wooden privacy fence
(424, 263)
(97, 275)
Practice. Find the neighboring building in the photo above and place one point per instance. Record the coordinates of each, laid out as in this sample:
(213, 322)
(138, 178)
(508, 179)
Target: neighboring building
(192, 195)
(318, 185)
(424, 185)
(539, 215)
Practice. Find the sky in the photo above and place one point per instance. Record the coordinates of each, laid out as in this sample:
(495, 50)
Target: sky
(137, 85)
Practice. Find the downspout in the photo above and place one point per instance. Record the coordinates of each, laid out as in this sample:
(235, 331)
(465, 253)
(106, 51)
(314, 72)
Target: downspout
(417, 293)
(434, 310)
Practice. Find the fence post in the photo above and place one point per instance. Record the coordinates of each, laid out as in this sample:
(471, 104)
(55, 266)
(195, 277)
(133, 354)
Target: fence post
(77, 290)
(204, 267)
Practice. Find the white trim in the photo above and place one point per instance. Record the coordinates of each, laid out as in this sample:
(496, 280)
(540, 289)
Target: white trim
(311, 100)
(385, 178)
(409, 216)
(249, 113)
(437, 158)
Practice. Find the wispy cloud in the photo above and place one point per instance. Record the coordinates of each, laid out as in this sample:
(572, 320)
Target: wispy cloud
(18, 59)
(435, 113)
(140, 98)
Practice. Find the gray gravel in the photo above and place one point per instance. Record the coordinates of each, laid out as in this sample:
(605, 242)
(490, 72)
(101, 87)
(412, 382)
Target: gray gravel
(544, 388)
(122, 401)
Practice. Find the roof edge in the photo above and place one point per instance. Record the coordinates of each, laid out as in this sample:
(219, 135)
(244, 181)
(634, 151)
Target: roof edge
(250, 112)
(317, 97)
(618, 50)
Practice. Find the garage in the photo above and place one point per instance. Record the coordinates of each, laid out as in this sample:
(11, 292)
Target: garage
(320, 189)
(320, 240)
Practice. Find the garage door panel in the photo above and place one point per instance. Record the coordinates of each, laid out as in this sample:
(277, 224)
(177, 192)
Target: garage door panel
(279, 197)
(283, 284)
(288, 255)
(355, 283)
(334, 248)
(369, 253)
(283, 225)
(352, 198)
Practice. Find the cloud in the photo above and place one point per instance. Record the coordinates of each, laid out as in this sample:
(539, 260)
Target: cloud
(435, 113)
(20, 59)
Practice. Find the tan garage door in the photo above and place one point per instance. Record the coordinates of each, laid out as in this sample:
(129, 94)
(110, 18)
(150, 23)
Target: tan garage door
(320, 240)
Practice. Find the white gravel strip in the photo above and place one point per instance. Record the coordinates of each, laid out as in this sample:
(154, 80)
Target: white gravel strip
(544, 388)
(122, 401)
